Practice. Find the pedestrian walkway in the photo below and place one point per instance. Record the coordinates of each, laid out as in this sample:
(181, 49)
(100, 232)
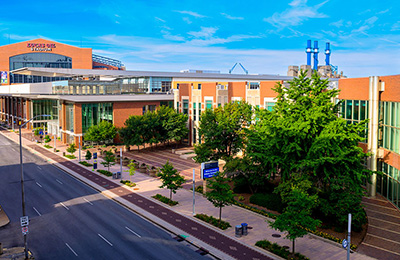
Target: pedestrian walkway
(181, 216)
(383, 235)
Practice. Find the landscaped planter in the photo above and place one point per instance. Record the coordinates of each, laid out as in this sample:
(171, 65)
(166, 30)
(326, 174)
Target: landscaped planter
(142, 168)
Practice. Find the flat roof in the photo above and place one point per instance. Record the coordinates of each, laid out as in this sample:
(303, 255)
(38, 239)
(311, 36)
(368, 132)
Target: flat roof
(57, 72)
(102, 98)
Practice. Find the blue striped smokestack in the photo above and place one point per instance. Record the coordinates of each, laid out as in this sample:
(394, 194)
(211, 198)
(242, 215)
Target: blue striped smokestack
(327, 53)
(308, 51)
(315, 55)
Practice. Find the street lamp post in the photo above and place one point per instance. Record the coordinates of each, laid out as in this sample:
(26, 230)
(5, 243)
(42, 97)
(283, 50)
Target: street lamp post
(22, 176)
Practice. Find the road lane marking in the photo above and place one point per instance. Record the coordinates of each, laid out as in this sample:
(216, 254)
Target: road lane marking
(37, 211)
(39, 168)
(64, 206)
(71, 249)
(39, 184)
(88, 201)
(133, 232)
(105, 240)
(59, 181)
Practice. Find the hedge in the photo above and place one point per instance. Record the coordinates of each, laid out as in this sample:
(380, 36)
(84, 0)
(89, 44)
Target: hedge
(128, 183)
(213, 221)
(165, 200)
(270, 201)
(107, 173)
(85, 163)
(280, 250)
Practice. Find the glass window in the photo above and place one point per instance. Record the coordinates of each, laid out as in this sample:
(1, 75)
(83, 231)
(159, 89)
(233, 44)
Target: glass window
(349, 108)
(185, 106)
(199, 86)
(269, 105)
(194, 111)
(208, 104)
(94, 113)
(356, 110)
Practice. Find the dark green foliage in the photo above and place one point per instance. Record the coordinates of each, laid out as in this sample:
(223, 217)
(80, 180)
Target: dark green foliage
(85, 163)
(198, 189)
(88, 155)
(48, 146)
(165, 200)
(70, 156)
(213, 221)
(279, 250)
(220, 193)
(106, 173)
(270, 201)
(47, 139)
(102, 132)
(171, 178)
(109, 159)
(222, 131)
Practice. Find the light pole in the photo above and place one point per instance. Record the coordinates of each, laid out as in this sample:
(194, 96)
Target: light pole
(22, 175)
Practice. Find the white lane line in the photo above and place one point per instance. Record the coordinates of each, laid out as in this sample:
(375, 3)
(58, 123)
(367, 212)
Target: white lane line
(133, 232)
(88, 201)
(64, 206)
(71, 249)
(37, 211)
(105, 240)
(59, 181)
(39, 184)
(39, 168)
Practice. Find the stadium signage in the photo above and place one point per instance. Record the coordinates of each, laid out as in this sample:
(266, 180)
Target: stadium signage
(41, 46)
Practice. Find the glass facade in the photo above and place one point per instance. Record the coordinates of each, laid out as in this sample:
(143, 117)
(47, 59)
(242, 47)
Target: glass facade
(355, 111)
(44, 107)
(115, 87)
(388, 184)
(94, 113)
(185, 107)
(269, 105)
(69, 117)
(38, 60)
(209, 104)
(390, 125)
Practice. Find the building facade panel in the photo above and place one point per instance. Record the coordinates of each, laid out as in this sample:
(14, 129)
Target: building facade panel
(392, 88)
(354, 88)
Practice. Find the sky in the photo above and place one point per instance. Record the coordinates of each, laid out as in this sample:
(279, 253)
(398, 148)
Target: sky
(264, 36)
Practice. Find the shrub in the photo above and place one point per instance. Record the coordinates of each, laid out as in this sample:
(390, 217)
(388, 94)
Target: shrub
(85, 163)
(165, 200)
(128, 183)
(270, 201)
(47, 139)
(279, 250)
(198, 189)
(213, 221)
(70, 156)
(107, 173)
(48, 146)
(241, 198)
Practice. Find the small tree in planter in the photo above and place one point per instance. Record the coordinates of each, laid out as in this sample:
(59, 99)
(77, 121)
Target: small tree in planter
(132, 170)
(153, 171)
(71, 149)
(170, 177)
(220, 194)
(88, 155)
(142, 168)
(47, 139)
(109, 159)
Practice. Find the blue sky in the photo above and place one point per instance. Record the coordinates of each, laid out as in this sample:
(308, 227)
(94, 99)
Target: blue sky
(265, 36)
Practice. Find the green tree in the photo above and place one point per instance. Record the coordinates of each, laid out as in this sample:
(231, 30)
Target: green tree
(109, 159)
(303, 134)
(171, 178)
(175, 126)
(132, 133)
(71, 148)
(101, 132)
(131, 170)
(88, 155)
(220, 194)
(296, 218)
(222, 131)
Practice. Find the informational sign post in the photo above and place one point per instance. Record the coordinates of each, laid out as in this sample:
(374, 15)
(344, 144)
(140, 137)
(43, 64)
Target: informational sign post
(209, 169)
(94, 161)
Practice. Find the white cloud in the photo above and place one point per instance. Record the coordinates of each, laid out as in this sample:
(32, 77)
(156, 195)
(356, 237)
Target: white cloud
(337, 24)
(396, 26)
(296, 14)
(159, 19)
(205, 32)
(384, 11)
(187, 20)
(194, 14)
(368, 24)
(231, 17)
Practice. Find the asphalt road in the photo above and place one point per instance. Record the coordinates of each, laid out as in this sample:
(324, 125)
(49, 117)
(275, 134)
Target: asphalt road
(69, 220)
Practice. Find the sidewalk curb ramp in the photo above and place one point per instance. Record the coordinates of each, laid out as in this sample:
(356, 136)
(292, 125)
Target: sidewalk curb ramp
(4, 220)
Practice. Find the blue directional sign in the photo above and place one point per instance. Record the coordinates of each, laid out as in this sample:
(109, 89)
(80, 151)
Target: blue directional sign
(209, 170)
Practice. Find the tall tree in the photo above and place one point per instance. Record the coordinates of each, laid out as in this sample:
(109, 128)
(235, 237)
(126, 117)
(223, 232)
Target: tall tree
(222, 131)
(220, 194)
(132, 133)
(171, 178)
(99, 133)
(303, 134)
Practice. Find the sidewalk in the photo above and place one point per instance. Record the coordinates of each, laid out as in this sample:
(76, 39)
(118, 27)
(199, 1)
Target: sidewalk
(139, 198)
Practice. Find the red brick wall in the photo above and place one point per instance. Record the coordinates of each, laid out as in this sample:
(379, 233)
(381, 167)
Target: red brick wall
(236, 89)
(355, 88)
(392, 88)
(122, 110)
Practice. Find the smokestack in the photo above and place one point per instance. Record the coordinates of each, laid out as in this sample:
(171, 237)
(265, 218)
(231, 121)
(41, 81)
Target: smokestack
(316, 55)
(327, 54)
(308, 51)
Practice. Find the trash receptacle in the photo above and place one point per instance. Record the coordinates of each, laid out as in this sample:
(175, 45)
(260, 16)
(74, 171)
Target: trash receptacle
(118, 175)
(244, 229)
(238, 231)
(114, 175)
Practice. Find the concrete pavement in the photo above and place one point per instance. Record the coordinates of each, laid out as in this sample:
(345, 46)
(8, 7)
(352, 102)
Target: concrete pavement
(310, 246)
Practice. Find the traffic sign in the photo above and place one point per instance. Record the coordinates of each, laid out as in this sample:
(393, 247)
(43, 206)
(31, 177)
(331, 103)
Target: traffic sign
(24, 221)
(344, 243)
(25, 230)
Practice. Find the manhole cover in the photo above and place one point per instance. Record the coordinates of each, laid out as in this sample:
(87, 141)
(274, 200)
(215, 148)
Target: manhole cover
(276, 235)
